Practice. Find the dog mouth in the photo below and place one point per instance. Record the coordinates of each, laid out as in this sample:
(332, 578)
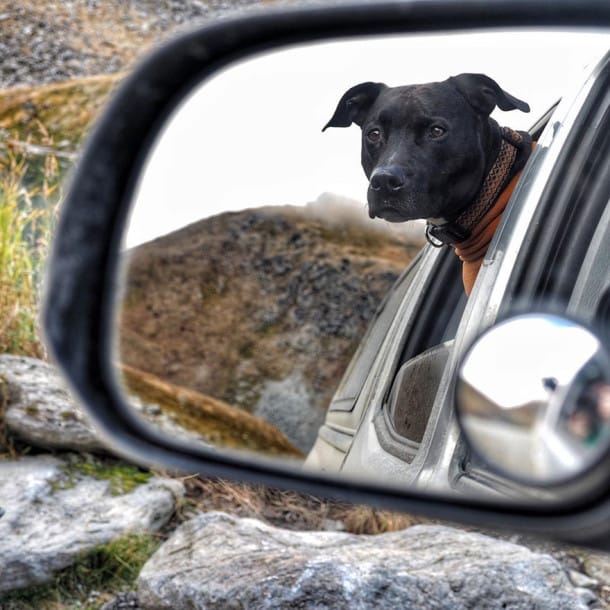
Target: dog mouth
(387, 212)
(392, 209)
(408, 205)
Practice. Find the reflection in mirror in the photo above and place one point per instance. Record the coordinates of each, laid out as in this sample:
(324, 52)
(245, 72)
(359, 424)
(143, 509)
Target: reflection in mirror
(252, 267)
(533, 398)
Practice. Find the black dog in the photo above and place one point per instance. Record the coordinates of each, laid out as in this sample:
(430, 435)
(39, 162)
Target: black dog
(432, 151)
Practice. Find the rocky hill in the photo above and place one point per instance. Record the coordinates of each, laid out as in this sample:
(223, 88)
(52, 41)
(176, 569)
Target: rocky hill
(262, 308)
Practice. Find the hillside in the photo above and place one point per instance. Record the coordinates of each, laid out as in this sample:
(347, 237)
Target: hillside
(261, 309)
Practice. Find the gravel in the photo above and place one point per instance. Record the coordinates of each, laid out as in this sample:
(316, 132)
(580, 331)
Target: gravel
(54, 40)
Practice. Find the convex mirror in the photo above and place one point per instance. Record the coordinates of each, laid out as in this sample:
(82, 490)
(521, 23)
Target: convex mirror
(533, 398)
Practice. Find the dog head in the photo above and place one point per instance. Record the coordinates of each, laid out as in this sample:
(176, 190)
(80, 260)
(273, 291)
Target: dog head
(426, 149)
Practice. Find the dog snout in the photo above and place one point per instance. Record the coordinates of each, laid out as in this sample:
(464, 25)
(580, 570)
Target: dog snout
(388, 179)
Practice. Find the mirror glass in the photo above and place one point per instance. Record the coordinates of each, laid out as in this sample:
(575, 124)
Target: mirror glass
(252, 268)
(533, 398)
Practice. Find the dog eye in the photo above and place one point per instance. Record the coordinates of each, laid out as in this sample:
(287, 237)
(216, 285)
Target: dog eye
(436, 131)
(374, 135)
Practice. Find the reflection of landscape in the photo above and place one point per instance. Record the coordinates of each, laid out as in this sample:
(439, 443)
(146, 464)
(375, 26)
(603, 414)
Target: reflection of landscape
(200, 416)
(260, 309)
(483, 407)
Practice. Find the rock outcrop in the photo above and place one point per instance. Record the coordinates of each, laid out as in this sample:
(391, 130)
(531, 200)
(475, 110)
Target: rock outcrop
(39, 409)
(218, 561)
(293, 288)
(52, 511)
(53, 508)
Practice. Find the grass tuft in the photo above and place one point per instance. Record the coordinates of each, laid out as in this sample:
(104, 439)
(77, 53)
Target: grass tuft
(27, 217)
(122, 477)
(93, 579)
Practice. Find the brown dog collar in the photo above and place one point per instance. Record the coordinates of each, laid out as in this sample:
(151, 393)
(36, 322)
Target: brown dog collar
(440, 232)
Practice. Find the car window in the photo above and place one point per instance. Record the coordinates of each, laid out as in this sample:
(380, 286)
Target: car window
(440, 310)
(409, 399)
(355, 375)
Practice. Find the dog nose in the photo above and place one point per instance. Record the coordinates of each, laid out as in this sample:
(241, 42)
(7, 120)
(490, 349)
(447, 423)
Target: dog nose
(387, 179)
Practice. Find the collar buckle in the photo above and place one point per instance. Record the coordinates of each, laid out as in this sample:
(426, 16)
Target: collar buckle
(445, 234)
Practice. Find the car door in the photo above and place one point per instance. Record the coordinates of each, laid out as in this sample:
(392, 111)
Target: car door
(381, 418)
(421, 311)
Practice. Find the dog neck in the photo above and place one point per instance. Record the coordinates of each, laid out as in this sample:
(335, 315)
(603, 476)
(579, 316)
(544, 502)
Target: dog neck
(471, 232)
(471, 251)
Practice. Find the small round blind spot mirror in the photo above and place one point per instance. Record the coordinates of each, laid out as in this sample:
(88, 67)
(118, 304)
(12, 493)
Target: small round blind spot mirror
(533, 398)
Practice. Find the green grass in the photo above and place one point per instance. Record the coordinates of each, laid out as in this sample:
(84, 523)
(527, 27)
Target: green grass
(107, 569)
(40, 129)
(122, 477)
(27, 216)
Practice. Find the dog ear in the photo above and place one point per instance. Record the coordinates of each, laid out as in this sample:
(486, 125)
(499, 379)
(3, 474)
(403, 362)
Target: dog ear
(355, 105)
(484, 94)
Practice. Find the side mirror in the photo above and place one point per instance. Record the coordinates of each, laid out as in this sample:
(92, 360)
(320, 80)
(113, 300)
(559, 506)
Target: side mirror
(84, 291)
(533, 399)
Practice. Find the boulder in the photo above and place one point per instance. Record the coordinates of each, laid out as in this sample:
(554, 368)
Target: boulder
(39, 408)
(50, 513)
(218, 561)
(41, 411)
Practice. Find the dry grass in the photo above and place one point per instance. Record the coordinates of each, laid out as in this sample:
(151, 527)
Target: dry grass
(40, 129)
(288, 509)
(221, 424)
(66, 110)
(25, 228)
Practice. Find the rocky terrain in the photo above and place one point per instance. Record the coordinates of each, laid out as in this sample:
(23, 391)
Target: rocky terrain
(57, 40)
(261, 309)
(80, 528)
(59, 60)
(79, 511)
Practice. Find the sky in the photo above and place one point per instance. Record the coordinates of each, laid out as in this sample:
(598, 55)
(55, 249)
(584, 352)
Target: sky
(252, 134)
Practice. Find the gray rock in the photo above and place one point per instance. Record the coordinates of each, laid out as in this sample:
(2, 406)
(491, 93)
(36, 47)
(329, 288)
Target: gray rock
(597, 566)
(578, 579)
(40, 410)
(50, 517)
(123, 601)
(288, 405)
(217, 561)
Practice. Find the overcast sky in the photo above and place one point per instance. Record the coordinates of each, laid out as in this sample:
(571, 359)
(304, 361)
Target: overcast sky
(252, 135)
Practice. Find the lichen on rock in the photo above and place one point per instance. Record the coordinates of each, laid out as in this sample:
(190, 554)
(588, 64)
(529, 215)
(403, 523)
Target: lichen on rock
(46, 524)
